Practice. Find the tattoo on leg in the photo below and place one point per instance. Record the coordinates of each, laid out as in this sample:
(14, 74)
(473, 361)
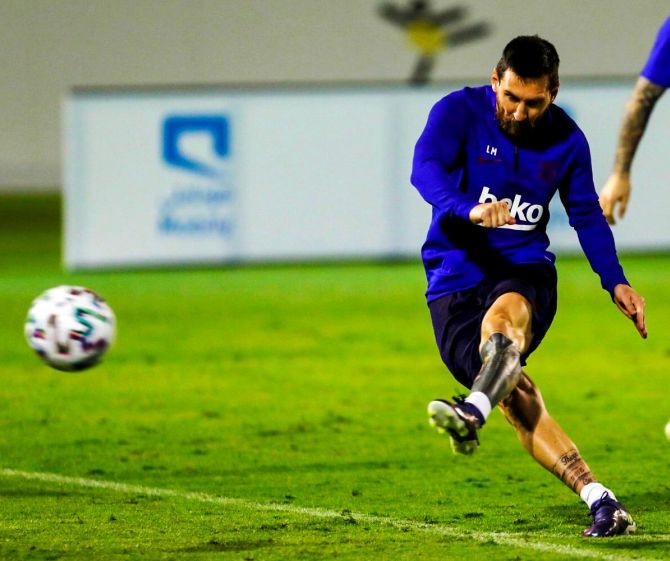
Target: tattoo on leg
(572, 470)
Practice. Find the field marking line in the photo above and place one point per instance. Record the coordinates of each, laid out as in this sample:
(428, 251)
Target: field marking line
(504, 538)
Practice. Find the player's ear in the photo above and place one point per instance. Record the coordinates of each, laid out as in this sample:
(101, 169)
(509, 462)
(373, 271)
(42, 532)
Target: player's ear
(495, 79)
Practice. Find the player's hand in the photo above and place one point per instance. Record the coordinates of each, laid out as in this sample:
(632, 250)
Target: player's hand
(631, 305)
(616, 191)
(491, 215)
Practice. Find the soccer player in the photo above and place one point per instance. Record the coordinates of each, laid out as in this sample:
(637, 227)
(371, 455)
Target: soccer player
(489, 161)
(653, 81)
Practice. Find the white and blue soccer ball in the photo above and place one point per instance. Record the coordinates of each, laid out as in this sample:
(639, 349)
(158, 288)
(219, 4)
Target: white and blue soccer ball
(70, 327)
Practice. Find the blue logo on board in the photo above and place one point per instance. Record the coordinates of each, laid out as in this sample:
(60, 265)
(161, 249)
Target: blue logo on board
(197, 149)
(177, 127)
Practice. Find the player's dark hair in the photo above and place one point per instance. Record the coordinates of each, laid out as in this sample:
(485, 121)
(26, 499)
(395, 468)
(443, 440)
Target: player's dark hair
(530, 57)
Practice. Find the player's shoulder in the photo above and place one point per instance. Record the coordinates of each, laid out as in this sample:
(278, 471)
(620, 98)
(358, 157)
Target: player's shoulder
(468, 100)
(471, 95)
(565, 126)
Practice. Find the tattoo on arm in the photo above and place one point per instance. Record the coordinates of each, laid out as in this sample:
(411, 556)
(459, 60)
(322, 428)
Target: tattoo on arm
(638, 109)
(572, 470)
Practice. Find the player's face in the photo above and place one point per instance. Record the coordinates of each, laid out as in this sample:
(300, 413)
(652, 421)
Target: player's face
(520, 103)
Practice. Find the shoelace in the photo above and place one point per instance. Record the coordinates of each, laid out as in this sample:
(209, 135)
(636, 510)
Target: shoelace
(598, 503)
(468, 407)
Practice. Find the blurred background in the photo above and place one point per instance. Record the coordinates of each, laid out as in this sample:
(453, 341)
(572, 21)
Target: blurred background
(231, 130)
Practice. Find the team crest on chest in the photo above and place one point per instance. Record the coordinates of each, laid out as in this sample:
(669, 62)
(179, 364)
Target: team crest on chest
(548, 171)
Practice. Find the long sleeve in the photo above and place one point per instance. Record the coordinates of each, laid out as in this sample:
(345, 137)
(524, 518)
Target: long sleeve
(437, 170)
(580, 200)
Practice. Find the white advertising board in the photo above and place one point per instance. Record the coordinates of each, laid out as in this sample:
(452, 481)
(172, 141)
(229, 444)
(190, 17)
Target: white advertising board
(212, 176)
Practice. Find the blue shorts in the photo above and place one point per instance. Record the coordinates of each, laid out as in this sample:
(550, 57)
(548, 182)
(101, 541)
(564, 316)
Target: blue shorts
(457, 317)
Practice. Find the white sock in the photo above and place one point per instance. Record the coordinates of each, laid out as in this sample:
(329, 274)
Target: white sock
(481, 402)
(594, 491)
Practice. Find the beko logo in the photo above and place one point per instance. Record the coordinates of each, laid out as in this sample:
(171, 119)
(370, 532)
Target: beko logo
(520, 211)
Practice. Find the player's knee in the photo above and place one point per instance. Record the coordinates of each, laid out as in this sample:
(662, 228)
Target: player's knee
(499, 345)
(511, 315)
(495, 323)
(501, 324)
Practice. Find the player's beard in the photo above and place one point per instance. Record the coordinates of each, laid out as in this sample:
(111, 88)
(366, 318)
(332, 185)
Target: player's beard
(518, 130)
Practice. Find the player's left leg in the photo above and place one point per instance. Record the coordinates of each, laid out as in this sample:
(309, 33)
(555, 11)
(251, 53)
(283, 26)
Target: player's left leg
(505, 335)
(513, 310)
(553, 449)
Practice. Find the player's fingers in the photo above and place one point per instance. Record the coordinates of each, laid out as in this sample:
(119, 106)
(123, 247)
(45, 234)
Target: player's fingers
(495, 214)
(641, 325)
(626, 304)
(633, 308)
(486, 218)
(622, 308)
(606, 205)
(505, 216)
(638, 316)
(492, 216)
(632, 305)
(638, 320)
(502, 214)
(623, 205)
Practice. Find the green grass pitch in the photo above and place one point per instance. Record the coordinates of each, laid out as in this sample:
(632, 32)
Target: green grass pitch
(278, 412)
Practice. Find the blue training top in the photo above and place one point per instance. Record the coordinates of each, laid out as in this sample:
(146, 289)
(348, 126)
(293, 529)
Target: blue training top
(657, 69)
(463, 158)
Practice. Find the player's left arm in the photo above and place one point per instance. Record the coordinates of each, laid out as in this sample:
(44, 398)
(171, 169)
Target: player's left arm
(632, 305)
(579, 197)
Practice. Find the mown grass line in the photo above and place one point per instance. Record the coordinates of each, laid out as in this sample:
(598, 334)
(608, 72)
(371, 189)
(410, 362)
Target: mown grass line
(503, 538)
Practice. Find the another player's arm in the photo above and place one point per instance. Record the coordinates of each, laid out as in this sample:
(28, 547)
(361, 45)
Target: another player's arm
(638, 110)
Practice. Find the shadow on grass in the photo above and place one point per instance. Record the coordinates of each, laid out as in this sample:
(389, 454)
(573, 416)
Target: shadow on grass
(308, 468)
(653, 501)
(233, 545)
(26, 493)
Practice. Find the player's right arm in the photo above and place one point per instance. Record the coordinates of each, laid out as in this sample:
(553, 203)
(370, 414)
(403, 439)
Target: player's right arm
(439, 158)
(638, 109)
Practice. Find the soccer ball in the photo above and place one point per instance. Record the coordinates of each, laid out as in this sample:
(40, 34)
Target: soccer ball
(70, 327)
